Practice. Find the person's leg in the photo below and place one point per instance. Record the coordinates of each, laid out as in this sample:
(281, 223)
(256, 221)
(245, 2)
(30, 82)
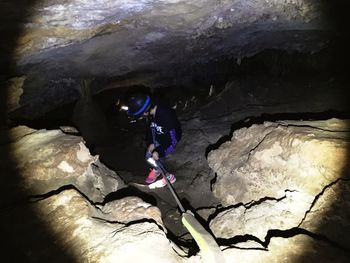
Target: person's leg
(170, 176)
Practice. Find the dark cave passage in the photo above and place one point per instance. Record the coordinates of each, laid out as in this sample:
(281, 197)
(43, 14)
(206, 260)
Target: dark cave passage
(215, 92)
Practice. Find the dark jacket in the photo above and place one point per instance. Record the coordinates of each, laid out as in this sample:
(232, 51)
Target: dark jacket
(164, 130)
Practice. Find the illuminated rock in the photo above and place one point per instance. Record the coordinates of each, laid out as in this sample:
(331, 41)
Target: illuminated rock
(285, 179)
(48, 160)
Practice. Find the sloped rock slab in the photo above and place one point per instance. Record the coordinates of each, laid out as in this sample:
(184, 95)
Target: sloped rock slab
(47, 160)
(286, 179)
(84, 233)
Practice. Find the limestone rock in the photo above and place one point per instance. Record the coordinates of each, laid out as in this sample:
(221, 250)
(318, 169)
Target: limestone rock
(265, 160)
(61, 23)
(281, 214)
(285, 179)
(129, 41)
(48, 160)
(14, 92)
(299, 248)
(87, 234)
(131, 209)
(332, 208)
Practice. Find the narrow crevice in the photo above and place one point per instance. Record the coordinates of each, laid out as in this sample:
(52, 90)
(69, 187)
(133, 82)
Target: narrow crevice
(271, 117)
(258, 144)
(40, 197)
(245, 248)
(229, 242)
(131, 223)
(129, 191)
(286, 124)
(208, 207)
(213, 181)
(300, 231)
(274, 233)
(220, 209)
(119, 194)
(267, 198)
(319, 195)
(190, 245)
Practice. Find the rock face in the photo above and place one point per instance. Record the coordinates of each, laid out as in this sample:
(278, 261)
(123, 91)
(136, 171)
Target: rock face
(88, 234)
(153, 43)
(89, 118)
(285, 179)
(62, 216)
(61, 23)
(48, 160)
(295, 210)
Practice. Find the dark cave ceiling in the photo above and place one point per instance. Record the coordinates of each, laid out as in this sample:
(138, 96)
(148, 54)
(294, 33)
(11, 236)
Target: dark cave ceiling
(152, 43)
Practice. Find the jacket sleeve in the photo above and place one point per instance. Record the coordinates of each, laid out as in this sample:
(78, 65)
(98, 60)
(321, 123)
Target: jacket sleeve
(171, 133)
(171, 141)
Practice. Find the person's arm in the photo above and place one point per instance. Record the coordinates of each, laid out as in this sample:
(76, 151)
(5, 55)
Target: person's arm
(172, 133)
(169, 145)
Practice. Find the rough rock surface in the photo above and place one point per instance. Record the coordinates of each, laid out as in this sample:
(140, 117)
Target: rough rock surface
(285, 179)
(63, 190)
(154, 43)
(299, 248)
(60, 23)
(48, 160)
(87, 234)
(294, 218)
(282, 157)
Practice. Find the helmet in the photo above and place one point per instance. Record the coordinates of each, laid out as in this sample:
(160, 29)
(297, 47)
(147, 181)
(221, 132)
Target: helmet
(138, 104)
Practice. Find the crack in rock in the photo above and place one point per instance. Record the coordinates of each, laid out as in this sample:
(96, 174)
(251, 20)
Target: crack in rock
(220, 209)
(131, 223)
(300, 231)
(267, 198)
(40, 197)
(273, 233)
(259, 143)
(319, 195)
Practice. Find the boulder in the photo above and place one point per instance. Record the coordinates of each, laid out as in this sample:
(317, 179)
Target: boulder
(49, 159)
(284, 186)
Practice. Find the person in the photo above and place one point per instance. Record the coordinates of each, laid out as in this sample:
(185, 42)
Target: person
(163, 134)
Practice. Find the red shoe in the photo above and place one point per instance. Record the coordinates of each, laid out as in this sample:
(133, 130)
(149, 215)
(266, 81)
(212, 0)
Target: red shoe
(171, 178)
(152, 176)
(162, 182)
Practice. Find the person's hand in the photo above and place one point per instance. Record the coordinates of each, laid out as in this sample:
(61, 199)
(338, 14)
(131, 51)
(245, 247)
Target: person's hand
(155, 156)
(150, 148)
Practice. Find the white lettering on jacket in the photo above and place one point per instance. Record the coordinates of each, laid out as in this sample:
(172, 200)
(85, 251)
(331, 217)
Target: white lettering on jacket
(158, 129)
